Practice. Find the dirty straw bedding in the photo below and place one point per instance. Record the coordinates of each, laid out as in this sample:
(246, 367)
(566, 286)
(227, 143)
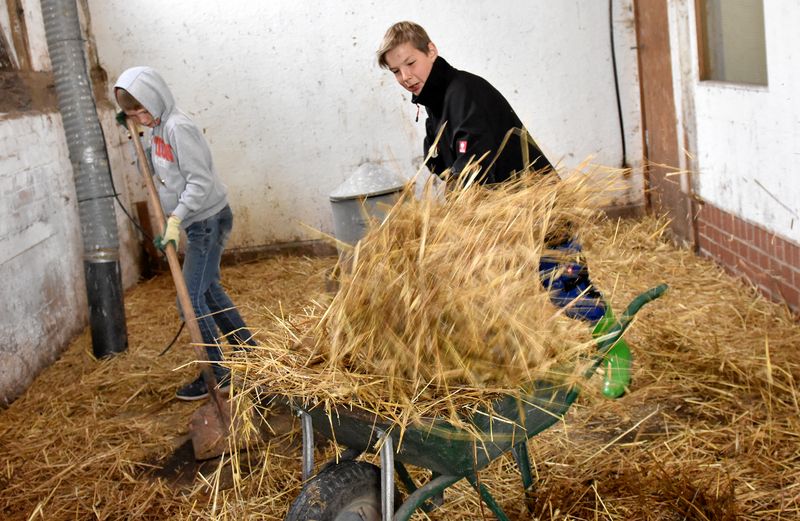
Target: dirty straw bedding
(443, 312)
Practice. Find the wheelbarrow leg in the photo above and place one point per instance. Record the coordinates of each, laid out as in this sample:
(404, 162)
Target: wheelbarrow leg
(434, 502)
(523, 460)
(405, 477)
(387, 477)
(417, 498)
(487, 498)
(308, 444)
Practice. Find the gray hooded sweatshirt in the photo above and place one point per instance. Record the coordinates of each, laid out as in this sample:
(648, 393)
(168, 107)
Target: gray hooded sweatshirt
(183, 170)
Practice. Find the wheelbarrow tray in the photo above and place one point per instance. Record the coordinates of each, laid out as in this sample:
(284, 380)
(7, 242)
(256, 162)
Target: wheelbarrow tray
(435, 444)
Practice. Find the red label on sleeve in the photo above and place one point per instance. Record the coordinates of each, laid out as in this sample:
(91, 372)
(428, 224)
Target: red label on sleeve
(462, 146)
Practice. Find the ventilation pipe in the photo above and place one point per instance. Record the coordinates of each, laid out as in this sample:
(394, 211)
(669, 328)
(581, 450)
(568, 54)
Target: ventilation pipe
(92, 174)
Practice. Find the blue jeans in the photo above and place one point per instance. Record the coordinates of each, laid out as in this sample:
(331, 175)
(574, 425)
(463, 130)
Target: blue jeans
(212, 306)
(566, 277)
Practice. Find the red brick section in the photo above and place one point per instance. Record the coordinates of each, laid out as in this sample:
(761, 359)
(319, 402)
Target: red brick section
(770, 262)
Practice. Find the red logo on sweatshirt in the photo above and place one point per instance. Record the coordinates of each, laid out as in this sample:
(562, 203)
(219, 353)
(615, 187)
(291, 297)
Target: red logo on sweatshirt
(462, 146)
(162, 149)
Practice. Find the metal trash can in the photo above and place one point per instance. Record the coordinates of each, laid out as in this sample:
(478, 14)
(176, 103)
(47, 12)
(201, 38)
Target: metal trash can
(365, 195)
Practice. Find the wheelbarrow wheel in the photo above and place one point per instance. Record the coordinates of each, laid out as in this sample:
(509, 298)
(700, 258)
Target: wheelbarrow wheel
(347, 491)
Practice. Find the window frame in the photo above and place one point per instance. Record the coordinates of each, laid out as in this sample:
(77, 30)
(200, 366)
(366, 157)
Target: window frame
(703, 62)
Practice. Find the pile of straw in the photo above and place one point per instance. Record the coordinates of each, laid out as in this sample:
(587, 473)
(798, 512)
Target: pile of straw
(440, 307)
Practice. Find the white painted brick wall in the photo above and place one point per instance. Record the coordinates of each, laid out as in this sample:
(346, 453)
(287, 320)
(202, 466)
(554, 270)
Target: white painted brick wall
(41, 253)
(747, 150)
(44, 303)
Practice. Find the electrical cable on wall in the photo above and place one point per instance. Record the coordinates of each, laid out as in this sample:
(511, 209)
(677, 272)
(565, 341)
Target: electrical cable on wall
(616, 82)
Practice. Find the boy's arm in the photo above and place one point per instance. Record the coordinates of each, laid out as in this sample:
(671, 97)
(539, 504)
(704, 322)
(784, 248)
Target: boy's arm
(193, 158)
(471, 138)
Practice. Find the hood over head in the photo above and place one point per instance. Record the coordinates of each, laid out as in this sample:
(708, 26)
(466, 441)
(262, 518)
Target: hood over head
(149, 88)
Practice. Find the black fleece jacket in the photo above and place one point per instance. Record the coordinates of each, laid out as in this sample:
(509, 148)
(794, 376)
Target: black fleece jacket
(478, 118)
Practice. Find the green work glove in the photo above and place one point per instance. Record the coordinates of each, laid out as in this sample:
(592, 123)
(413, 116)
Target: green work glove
(122, 119)
(172, 233)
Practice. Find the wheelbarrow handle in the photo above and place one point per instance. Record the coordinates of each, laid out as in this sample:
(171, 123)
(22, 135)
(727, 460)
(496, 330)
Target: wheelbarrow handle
(637, 304)
(614, 352)
(609, 329)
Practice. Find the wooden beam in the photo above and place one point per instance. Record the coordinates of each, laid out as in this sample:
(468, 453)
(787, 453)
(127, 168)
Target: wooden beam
(19, 34)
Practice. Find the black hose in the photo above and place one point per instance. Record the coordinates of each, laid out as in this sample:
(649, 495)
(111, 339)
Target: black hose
(115, 194)
(616, 83)
(169, 346)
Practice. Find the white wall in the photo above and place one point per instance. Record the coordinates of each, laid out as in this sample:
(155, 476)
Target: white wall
(747, 138)
(44, 302)
(292, 100)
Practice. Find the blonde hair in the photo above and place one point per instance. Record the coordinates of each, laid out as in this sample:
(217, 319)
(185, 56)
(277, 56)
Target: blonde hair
(400, 33)
(126, 100)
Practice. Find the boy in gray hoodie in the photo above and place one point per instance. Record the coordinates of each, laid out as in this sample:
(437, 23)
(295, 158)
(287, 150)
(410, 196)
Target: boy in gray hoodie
(194, 199)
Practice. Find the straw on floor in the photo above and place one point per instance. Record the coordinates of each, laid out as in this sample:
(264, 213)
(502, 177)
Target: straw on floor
(709, 429)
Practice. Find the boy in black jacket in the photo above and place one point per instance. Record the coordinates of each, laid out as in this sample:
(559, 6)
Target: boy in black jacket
(477, 119)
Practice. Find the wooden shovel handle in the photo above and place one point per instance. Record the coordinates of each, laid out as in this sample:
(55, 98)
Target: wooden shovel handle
(177, 274)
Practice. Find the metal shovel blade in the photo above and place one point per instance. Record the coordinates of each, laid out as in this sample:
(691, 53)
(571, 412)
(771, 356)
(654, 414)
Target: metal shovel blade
(209, 432)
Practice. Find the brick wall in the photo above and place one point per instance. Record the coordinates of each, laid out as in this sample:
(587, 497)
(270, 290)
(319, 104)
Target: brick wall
(768, 261)
(44, 296)
(41, 252)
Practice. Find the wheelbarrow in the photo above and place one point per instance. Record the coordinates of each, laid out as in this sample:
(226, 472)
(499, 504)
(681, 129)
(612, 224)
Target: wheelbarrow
(350, 490)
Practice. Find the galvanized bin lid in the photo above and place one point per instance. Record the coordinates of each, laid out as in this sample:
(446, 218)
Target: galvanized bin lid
(368, 180)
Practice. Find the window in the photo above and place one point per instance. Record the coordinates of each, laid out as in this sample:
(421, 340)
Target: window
(731, 40)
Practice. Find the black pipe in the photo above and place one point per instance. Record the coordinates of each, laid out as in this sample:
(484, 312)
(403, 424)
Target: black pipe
(91, 171)
(106, 312)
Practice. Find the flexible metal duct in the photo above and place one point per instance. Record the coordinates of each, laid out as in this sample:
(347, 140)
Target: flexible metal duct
(87, 152)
